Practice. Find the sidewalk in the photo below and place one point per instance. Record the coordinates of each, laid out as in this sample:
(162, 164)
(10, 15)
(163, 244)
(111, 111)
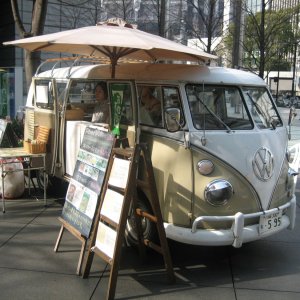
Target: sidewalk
(30, 269)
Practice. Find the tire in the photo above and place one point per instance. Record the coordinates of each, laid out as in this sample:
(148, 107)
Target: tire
(148, 227)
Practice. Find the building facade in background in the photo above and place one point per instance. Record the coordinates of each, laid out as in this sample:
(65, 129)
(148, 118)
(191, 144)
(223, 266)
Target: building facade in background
(287, 84)
(199, 24)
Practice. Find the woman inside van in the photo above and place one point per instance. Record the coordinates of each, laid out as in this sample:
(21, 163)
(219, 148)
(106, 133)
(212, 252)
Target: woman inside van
(101, 110)
(150, 107)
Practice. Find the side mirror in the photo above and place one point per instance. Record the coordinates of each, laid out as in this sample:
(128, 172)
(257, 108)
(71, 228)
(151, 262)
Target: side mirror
(172, 118)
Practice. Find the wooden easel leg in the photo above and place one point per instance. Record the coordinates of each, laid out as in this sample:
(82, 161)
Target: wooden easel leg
(157, 212)
(88, 264)
(91, 243)
(59, 238)
(167, 257)
(112, 284)
(78, 271)
(78, 236)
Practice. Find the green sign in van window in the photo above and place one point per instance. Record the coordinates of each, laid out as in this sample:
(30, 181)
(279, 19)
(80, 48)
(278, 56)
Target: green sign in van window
(120, 105)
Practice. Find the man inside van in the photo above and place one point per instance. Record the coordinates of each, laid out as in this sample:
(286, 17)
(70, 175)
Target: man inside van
(101, 110)
(150, 107)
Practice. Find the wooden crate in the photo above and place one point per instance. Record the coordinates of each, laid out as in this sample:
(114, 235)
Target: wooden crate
(34, 148)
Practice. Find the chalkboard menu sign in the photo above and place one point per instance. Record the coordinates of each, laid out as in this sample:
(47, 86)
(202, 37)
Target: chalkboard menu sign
(86, 184)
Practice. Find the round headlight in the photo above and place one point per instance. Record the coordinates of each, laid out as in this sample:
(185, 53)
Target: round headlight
(205, 167)
(218, 192)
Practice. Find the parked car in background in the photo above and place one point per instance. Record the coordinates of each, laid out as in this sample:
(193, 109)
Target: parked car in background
(295, 101)
(287, 102)
(279, 101)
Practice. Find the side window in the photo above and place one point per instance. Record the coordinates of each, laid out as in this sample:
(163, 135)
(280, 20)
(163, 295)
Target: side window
(171, 98)
(150, 99)
(102, 101)
(87, 96)
(44, 94)
(82, 91)
(87, 92)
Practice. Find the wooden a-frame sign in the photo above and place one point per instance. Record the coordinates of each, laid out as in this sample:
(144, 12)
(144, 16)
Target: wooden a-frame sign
(119, 193)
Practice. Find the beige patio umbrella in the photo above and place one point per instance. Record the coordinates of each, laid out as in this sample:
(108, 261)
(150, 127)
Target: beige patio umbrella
(113, 39)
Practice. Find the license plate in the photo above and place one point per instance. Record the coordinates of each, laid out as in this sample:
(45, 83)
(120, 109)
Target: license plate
(270, 222)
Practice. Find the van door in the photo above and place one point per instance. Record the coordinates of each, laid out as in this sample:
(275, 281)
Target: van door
(170, 155)
(44, 113)
(78, 111)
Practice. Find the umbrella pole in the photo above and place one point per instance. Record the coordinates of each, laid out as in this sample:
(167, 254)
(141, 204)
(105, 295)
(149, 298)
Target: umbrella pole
(113, 62)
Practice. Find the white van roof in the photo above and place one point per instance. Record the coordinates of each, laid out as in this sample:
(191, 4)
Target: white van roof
(157, 72)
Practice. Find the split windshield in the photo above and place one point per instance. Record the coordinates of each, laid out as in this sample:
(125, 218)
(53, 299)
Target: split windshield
(216, 107)
(262, 108)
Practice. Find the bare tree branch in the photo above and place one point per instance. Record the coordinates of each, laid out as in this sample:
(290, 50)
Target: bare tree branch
(17, 17)
(39, 9)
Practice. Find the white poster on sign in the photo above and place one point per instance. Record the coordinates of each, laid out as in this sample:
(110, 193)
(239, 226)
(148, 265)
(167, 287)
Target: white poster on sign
(106, 239)
(112, 205)
(119, 173)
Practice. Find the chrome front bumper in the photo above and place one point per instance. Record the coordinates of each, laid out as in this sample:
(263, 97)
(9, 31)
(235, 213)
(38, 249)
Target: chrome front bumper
(236, 235)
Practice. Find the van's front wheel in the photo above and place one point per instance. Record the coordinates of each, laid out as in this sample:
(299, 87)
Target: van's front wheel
(148, 228)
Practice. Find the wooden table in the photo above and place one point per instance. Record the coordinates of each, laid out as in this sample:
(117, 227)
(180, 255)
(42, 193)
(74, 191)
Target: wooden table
(9, 155)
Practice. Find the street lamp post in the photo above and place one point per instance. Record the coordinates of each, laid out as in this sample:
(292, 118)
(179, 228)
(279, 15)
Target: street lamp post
(295, 50)
(294, 68)
(278, 73)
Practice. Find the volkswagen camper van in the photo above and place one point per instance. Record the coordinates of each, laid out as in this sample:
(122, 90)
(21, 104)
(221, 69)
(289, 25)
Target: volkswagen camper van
(218, 145)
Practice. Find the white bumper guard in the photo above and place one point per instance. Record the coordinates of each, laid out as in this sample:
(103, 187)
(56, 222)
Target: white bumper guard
(237, 235)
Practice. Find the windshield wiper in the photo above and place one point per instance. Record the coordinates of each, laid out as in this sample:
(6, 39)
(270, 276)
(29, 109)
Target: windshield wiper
(213, 114)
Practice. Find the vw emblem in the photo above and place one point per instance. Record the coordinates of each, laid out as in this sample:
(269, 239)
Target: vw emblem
(263, 164)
